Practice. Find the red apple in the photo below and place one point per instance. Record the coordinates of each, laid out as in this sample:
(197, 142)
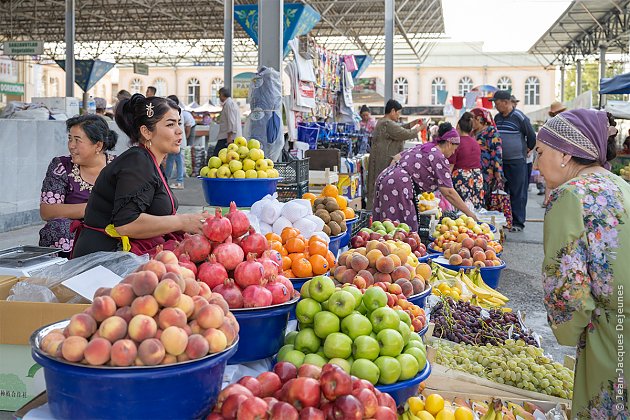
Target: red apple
(385, 413)
(252, 384)
(232, 389)
(368, 400)
(335, 383)
(309, 371)
(357, 242)
(285, 371)
(328, 411)
(231, 404)
(359, 384)
(386, 400)
(269, 382)
(215, 416)
(363, 234)
(375, 236)
(304, 392)
(282, 411)
(348, 407)
(271, 401)
(311, 413)
(253, 409)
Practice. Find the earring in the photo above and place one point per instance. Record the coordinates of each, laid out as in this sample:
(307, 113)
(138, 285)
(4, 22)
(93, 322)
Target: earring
(563, 165)
(148, 144)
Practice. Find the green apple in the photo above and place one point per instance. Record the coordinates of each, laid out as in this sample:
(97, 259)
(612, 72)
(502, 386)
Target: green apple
(383, 318)
(223, 155)
(306, 309)
(253, 144)
(320, 288)
(306, 341)
(269, 163)
(325, 323)
(367, 230)
(404, 317)
(419, 355)
(391, 342)
(294, 357)
(304, 290)
(342, 363)
(248, 164)
(290, 337)
(212, 173)
(239, 174)
(365, 369)
(284, 350)
(358, 296)
(342, 303)
(235, 165)
(416, 344)
(365, 347)
(242, 151)
(382, 232)
(389, 226)
(404, 226)
(409, 366)
(232, 155)
(390, 370)
(325, 305)
(320, 352)
(337, 345)
(240, 141)
(404, 331)
(317, 360)
(374, 298)
(377, 226)
(272, 173)
(224, 171)
(256, 154)
(214, 162)
(232, 147)
(362, 309)
(355, 325)
(261, 174)
(204, 172)
(415, 337)
(251, 174)
(261, 165)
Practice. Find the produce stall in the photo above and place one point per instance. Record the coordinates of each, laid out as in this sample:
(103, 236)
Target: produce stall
(290, 308)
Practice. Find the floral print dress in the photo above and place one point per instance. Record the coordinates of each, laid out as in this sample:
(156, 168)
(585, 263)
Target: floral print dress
(586, 280)
(63, 184)
(491, 156)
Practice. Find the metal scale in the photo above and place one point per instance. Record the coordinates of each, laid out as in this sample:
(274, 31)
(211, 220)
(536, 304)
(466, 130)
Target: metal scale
(23, 261)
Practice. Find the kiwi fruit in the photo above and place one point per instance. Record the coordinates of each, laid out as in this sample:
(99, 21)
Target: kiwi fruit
(335, 229)
(318, 201)
(343, 226)
(323, 214)
(332, 205)
(321, 206)
(337, 216)
(326, 230)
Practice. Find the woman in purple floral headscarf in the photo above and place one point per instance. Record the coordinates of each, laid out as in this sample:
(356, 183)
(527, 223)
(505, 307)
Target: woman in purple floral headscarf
(69, 179)
(586, 271)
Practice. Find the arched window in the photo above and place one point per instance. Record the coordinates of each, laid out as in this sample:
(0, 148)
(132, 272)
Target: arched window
(465, 85)
(504, 83)
(136, 86)
(53, 86)
(194, 91)
(161, 87)
(532, 91)
(437, 84)
(401, 87)
(215, 85)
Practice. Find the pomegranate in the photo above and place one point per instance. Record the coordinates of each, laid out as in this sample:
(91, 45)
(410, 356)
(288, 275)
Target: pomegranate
(272, 263)
(231, 293)
(249, 272)
(228, 254)
(197, 247)
(254, 242)
(279, 292)
(212, 273)
(287, 283)
(239, 221)
(256, 296)
(218, 228)
(184, 261)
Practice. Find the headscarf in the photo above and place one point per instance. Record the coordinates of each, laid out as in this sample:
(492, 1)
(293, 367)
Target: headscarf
(581, 133)
(451, 136)
(485, 114)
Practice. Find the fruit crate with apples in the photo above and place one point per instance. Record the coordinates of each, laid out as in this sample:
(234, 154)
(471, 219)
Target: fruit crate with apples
(364, 220)
(294, 171)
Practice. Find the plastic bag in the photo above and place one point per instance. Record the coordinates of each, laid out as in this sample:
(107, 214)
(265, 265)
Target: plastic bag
(26, 292)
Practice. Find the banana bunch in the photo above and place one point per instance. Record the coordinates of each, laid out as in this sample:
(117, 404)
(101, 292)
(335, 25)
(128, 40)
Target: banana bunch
(487, 297)
(447, 282)
(495, 410)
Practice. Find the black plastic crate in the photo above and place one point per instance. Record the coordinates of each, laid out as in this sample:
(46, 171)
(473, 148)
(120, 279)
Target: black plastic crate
(293, 172)
(364, 220)
(288, 192)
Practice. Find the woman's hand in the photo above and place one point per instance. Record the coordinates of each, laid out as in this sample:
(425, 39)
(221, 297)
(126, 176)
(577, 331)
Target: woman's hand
(193, 222)
(395, 159)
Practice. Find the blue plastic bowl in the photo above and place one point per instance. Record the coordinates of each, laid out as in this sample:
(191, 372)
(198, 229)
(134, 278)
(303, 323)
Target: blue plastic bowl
(423, 331)
(345, 240)
(103, 392)
(490, 275)
(335, 244)
(401, 391)
(421, 298)
(244, 192)
(423, 259)
(433, 251)
(262, 331)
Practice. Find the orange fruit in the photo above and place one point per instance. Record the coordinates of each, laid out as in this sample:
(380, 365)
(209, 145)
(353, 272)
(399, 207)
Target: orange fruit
(273, 237)
(288, 274)
(295, 245)
(318, 248)
(319, 264)
(296, 255)
(332, 261)
(316, 238)
(342, 202)
(287, 233)
(349, 213)
(301, 267)
(330, 191)
(286, 263)
(310, 196)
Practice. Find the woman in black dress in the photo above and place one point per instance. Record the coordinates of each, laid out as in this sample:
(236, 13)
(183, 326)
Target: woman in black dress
(131, 207)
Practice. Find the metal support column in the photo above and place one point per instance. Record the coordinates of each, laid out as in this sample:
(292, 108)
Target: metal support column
(602, 72)
(389, 49)
(562, 71)
(70, 30)
(270, 33)
(228, 33)
(578, 78)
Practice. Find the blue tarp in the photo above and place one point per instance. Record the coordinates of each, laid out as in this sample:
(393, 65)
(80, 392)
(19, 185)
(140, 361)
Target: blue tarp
(615, 85)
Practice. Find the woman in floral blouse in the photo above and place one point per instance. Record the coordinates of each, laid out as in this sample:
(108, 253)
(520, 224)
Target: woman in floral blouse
(491, 150)
(69, 179)
(586, 271)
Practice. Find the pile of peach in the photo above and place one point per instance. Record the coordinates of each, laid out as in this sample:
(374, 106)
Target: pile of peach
(152, 317)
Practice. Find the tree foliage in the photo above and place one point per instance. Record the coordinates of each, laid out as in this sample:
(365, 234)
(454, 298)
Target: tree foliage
(590, 79)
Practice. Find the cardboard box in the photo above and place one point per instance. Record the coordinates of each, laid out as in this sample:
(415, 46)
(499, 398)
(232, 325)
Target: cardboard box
(349, 185)
(21, 378)
(60, 105)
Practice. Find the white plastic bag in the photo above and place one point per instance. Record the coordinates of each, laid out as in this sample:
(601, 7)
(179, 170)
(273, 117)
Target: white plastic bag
(294, 211)
(305, 226)
(257, 207)
(271, 210)
(319, 223)
(281, 223)
(265, 228)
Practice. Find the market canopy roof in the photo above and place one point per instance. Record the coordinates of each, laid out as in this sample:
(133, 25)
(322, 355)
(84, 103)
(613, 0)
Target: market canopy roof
(168, 33)
(580, 30)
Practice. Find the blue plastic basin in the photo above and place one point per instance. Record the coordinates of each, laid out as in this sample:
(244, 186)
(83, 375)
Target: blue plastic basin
(423, 331)
(244, 192)
(345, 240)
(490, 275)
(421, 298)
(401, 391)
(335, 244)
(262, 331)
(424, 258)
(182, 390)
(433, 251)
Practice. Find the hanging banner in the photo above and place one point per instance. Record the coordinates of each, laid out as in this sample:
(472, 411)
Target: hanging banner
(88, 72)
